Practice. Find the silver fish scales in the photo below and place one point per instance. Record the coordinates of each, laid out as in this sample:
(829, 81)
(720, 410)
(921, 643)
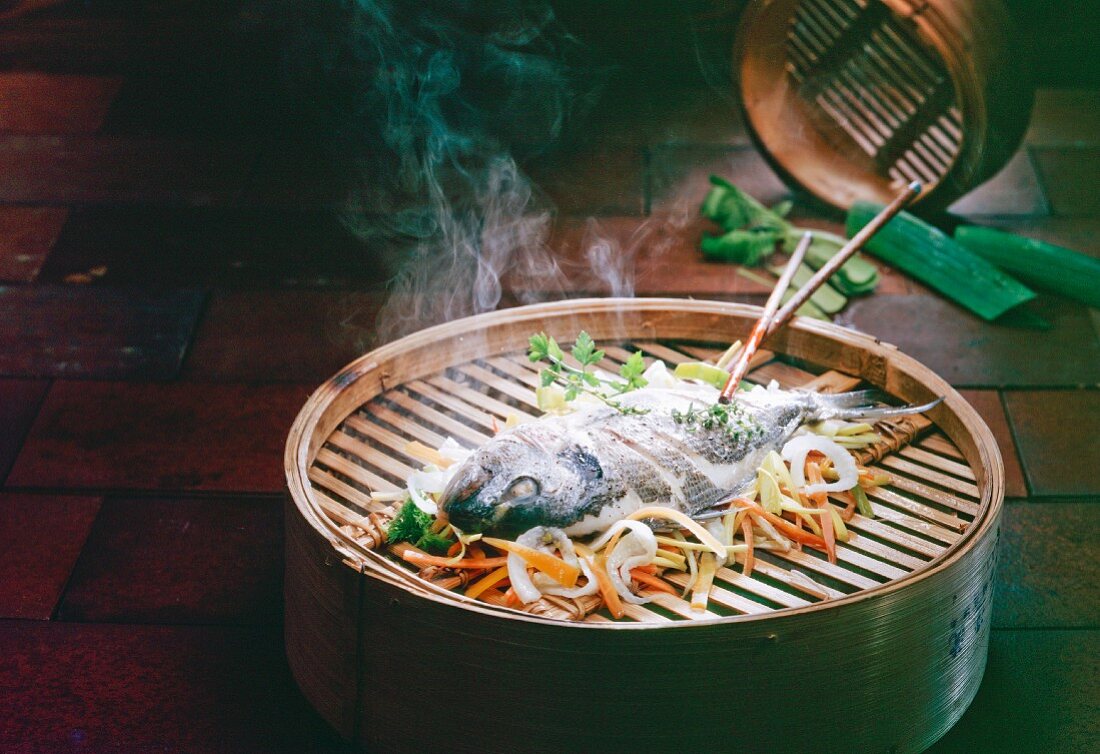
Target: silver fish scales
(585, 470)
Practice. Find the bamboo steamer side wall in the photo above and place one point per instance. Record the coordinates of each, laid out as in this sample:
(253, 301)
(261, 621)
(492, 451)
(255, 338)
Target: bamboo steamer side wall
(323, 598)
(891, 673)
(395, 670)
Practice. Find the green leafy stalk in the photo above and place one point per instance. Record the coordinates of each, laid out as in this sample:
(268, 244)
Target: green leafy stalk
(544, 348)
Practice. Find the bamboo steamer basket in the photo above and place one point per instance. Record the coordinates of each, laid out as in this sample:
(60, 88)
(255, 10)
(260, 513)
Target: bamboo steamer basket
(889, 661)
(853, 99)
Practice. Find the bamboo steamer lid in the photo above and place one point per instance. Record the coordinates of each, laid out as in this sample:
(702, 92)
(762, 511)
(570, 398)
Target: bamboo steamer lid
(853, 99)
(394, 663)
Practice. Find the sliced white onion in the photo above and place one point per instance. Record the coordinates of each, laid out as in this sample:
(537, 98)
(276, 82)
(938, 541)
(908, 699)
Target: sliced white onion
(526, 588)
(451, 449)
(521, 580)
(796, 450)
(658, 376)
(637, 548)
(423, 502)
(558, 590)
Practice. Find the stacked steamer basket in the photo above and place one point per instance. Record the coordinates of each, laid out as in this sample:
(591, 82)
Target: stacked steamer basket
(882, 651)
(853, 99)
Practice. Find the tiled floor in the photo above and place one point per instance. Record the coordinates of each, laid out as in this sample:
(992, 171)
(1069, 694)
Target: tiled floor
(177, 280)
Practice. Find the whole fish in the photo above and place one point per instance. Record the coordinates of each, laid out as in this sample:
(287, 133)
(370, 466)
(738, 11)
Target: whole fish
(585, 470)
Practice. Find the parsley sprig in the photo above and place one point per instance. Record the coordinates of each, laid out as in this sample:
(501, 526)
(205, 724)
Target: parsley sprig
(730, 418)
(544, 348)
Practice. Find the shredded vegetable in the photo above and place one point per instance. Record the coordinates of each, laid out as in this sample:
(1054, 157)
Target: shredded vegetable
(786, 504)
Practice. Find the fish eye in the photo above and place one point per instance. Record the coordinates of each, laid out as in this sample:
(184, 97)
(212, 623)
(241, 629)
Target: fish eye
(521, 488)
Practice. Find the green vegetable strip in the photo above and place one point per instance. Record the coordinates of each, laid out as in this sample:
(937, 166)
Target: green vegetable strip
(826, 298)
(732, 208)
(930, 255)
(855, 276)
(808, 309)
(741, 246)
(1044, 265)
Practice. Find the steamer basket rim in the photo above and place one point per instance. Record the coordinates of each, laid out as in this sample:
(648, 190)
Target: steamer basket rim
(296, 461)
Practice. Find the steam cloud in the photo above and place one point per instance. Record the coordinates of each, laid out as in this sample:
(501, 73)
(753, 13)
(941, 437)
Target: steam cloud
(436, 102)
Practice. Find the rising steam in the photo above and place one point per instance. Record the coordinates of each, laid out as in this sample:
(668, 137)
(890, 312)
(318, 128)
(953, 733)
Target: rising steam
(436, 102)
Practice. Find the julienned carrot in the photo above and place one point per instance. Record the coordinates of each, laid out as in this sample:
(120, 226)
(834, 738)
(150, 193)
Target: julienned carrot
(650, 569)
(551, 565)
(607, 590)
(813, 476)
(491, 579)
(650, 580)
(422, 559)
(784, 526)
(454, 549)
(750, 559)
(850, 504)
(511, 598)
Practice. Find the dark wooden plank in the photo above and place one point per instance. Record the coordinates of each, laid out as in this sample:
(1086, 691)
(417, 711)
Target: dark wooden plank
(26, 236)
(1048, 574)
(1065, 117)
(19, 402)
(61, 331)
(153, 436)
(967, 351)
(281, 335)
(113, 169)
(213, 246)
(988, 404)
(85, 687)
(593, 181)
(635, 111)
(679, 176)
(41, 103)
(1056, 434)
(622, 255)
(1039, 694)
(1069, 175)
(78, 45)
(164, 560)
(1015, 190)
(40, 539)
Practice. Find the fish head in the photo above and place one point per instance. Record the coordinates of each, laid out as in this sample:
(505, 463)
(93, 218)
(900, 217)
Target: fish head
(511, 486)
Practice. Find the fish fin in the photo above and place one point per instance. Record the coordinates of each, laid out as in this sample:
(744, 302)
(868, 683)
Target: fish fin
(860, 404)
(850, 399)
(886, 412)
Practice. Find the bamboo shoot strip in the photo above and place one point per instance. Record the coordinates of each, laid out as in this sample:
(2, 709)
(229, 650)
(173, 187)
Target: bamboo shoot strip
(1044, 265)
(929, 254)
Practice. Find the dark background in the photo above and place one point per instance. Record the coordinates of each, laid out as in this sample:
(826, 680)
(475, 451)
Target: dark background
(177, 279)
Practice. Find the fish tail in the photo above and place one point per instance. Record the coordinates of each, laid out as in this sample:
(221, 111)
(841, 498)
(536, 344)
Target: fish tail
(860, 404)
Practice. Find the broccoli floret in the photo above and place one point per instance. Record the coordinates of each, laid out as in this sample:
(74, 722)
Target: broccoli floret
(414, 525)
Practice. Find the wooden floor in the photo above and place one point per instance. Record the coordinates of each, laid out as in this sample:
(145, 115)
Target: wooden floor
(175, 283)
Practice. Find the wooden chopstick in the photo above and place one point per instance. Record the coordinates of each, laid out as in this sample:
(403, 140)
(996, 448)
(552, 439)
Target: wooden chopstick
(846, 252)
(740, 365)
(771, 320)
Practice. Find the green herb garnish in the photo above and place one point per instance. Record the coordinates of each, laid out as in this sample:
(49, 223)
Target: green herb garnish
(414, 525)
(544, 348)
(730, 418)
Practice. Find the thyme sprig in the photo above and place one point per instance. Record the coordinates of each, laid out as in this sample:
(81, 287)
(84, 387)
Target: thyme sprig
(730, 418)
(543, 348)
